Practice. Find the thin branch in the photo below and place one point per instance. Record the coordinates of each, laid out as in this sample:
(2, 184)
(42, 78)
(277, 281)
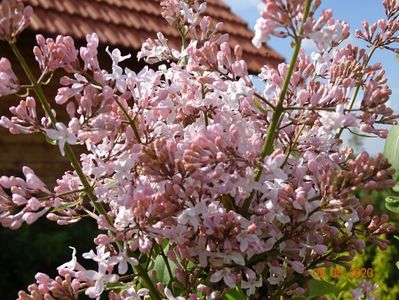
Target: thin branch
(131, 122)
(318, 109)
(267, 148)
(75, 163)
(264, 100)
(357, 89)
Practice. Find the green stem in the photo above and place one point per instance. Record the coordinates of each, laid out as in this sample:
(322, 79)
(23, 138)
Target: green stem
(75, 163)
(357, 89)
(147, 282)
(61, 195)
(183, 39)
(35, 85)
(131, 122)
(206, 119)
(68, 149)
(89, 189)
(165, 258)
(143, 274)
(292, 146)
(267, 148)
(183, 34)
(205, 112)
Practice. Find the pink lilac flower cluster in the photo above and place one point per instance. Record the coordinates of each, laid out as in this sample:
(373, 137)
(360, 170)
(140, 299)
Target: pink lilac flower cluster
(14, 18)
(52, 55)
(189, 167)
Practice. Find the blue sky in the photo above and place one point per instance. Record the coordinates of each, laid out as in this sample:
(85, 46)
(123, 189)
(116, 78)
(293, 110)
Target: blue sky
(353, 12)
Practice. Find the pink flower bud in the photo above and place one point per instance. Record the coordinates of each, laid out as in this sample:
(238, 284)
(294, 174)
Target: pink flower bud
(297, 266)
(250, 274)
(238, 51)
(15, 18)
(181, 276)
(34, 204)
(30, 217)
(74, 125)
(369, 210)
(320, 249)
(371, 185)
(32, 180)
(18, 199)
(327, 14)
(219, 27)
(384, 218)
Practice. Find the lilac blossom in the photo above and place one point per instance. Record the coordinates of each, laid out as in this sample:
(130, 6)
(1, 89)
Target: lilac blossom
(100, 279)
(188, 164)
(62, 135)
(14, 18)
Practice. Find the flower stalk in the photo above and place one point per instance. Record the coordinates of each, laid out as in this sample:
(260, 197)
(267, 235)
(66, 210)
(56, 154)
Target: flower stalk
(272, 130)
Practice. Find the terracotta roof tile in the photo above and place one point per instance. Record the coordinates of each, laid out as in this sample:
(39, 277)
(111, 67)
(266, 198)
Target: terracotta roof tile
(129, 22)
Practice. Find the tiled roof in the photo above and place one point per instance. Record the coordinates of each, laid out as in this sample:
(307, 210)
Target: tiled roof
(128, 23)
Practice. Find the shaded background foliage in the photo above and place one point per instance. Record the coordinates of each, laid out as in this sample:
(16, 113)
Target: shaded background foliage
(40, 247)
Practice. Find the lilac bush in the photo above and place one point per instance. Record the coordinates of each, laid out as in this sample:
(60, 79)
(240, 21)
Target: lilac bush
(203, 186)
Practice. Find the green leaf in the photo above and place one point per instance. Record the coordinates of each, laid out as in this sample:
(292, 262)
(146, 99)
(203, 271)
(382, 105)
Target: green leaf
(162, 270)
(66, 205)
(318, 288)
(165, 245)
(117, 286)
(235, 294)
(112, 182)
(392, 203)
(391, 149)
(397, 264)
(259, 106)
(396, 187)
(296, 153)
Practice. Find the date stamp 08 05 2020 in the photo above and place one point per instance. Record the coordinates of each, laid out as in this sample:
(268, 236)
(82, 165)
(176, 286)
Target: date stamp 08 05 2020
(338, 272)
